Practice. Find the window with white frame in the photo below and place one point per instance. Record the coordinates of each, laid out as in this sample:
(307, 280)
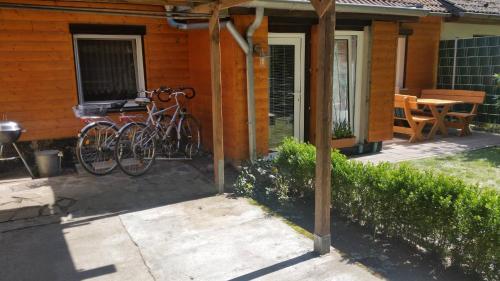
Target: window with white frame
(109, 67)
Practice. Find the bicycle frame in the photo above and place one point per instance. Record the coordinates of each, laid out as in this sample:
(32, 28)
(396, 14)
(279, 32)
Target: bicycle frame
(155, 115)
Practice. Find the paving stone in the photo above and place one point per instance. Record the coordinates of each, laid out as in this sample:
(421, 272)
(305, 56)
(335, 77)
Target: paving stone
(65, 202)
(6, 215)
(46, 211)
(50, 210)
(26, 213)
(398, 150)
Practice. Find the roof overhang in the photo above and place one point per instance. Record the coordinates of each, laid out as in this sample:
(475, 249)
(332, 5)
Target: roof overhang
(339, 8)
(480, 16)
(474, 18)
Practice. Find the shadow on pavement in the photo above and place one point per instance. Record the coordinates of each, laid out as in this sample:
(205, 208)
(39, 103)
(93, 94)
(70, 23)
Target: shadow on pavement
(39, 251)
(275, 267)
(389, 258)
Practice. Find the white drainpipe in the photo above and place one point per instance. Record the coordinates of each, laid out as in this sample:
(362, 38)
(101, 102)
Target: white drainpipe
(252, 138)
(247, 47)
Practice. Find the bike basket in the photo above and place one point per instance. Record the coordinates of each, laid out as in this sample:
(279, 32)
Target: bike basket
(90, 110)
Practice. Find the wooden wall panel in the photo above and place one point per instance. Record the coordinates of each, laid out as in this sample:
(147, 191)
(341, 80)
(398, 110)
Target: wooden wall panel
(37, 72)
(199, 72)
(383, 75)
(422, 56)
(37, 64)
(233, 89)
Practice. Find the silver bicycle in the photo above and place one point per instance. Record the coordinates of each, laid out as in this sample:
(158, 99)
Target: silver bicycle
(96, 140)
(138, 144)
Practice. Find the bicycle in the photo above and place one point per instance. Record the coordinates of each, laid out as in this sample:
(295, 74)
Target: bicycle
(96, 140)
(138, 143)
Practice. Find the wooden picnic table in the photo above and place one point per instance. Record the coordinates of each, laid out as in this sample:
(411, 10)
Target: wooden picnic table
(439, 108)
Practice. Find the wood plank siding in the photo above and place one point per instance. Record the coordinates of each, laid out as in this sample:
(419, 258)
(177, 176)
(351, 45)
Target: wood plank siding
(422, 54)
(382, 80)
(233, 89)
(38, 84)
(39, 87)
(382, 75)
(37, 68)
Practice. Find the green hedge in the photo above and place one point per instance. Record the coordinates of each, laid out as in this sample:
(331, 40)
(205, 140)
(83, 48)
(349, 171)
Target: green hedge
(440, 213)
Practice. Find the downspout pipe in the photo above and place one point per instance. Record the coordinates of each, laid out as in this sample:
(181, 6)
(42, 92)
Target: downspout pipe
(187, 26)
(252, 138)
(204, 25)
(247, 47)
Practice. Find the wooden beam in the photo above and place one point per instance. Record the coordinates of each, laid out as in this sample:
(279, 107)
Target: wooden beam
(326, 43)
(223, 4)
(215, 64)
(321, 6)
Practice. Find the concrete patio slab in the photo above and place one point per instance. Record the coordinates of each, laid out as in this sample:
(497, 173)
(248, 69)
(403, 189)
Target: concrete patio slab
(399, 150)
(214, 238)
(84, 194)
(81, 250)
(218, 238)
(168, 225)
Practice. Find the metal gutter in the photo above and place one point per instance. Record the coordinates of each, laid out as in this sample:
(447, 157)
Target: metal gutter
(105, 11)
(204, 25)
(483, 16)
(186, 26)
(340, 8)
(440, 14)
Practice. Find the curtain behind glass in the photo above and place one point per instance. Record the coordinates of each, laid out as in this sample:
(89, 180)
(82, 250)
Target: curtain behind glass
(341, 82)
(107, 69)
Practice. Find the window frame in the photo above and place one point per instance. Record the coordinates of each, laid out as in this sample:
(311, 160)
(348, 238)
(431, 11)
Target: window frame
(402, 62)
(139, 62)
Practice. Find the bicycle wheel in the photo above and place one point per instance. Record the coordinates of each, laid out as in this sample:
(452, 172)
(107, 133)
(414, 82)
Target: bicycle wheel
(168, 135)
(135, 149)
(94, 149)
(190, 137)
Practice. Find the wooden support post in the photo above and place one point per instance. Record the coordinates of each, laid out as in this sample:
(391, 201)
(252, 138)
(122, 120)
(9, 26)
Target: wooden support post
(326, 42)
(215, 63)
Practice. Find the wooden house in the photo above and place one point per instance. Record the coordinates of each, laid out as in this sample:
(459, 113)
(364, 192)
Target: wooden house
(57, 54)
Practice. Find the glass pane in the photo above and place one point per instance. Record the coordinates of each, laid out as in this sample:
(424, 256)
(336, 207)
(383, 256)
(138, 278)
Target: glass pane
(341, 82)
(281, 89)
(107, 69)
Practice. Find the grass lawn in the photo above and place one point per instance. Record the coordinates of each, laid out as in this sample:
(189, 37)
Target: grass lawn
(480, 167)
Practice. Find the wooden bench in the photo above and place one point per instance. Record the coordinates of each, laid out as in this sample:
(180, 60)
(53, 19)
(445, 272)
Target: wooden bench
(463, 119)
(416, 123)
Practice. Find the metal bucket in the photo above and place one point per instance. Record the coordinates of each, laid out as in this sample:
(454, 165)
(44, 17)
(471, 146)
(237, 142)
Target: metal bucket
(48, 163)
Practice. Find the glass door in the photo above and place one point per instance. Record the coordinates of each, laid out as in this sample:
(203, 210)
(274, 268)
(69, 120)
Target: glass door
(344, 81)
(286, 87)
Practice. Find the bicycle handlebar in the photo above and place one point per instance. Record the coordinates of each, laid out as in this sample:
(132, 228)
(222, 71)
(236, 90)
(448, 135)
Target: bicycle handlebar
(188, 92)
(191, 93)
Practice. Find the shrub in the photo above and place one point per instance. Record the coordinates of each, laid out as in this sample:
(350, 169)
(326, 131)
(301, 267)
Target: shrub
(440, 213)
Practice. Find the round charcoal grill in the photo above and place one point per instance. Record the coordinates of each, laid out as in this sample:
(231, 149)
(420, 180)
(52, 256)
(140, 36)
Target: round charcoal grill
(9, 134)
